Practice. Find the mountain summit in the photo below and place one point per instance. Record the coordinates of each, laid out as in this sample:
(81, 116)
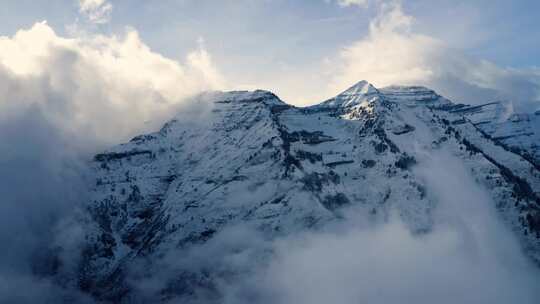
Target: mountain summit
(253, 159)
(361, 92)
(362, 88)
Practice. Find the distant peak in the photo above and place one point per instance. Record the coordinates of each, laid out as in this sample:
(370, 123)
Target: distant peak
(361, 88)
(359, 93)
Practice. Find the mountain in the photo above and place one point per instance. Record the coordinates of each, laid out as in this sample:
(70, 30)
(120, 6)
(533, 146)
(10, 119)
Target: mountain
(249, 158)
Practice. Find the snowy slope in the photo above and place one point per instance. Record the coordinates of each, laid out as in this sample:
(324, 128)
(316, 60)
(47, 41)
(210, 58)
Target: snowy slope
(247, 157)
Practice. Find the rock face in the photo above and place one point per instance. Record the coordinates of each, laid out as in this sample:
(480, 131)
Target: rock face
(247, 157)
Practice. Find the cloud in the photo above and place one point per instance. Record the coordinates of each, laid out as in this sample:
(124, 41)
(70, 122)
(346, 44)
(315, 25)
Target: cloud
(468, 257)
(61, 101)
(361, 3)
(393, 53)
(96, 11)
(42, 182)
(108, 87)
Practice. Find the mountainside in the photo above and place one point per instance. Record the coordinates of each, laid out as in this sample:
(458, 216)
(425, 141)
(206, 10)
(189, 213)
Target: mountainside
(248, 157)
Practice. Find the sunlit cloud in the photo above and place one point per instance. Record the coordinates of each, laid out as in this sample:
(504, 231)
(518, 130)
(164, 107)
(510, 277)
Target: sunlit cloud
(110, 85)
(394, 53)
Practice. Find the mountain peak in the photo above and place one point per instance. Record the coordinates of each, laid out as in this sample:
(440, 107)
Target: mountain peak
(359, 93)
(361, 88)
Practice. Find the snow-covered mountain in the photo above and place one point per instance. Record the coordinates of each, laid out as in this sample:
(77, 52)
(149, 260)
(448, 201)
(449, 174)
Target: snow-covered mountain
(248, 157)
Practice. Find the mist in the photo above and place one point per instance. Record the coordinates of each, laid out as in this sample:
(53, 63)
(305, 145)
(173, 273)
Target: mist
(469, 256)
(43, 182)
(62, 100)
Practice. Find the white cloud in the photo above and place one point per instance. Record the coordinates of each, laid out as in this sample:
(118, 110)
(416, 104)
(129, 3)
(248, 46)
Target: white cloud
(61, 101)
(392, 53)
(348, 3)
(97, 11)
(361, 3)
(468, 257)
(108, 85)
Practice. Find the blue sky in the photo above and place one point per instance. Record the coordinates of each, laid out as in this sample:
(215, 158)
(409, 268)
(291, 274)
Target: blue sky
(503, 31)
(287, 45)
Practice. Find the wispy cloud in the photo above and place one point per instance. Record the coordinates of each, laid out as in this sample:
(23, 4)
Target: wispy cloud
(96, 11)
(361, 3)
(393, 53)
(350, 3)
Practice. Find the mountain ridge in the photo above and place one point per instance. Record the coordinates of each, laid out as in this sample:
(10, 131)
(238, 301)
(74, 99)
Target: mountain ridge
(251, 158)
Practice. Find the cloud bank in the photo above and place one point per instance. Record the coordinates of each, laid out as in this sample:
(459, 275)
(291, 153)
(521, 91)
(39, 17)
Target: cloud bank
(61, 101)
(468, 257)
(105, 87)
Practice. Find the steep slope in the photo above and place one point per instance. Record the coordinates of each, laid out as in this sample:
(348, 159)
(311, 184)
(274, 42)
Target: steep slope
(247, 157)
(514, 131)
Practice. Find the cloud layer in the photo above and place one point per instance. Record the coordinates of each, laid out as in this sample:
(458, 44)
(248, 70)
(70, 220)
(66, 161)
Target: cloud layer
(468, 257)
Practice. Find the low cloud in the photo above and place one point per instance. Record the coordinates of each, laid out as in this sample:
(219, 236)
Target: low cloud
(61, 101)
(468, 257)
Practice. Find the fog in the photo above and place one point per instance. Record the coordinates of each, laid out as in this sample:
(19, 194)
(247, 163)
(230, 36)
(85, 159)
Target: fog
(468, 257)
(42, 182)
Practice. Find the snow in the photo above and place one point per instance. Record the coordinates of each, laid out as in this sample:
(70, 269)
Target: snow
(288, 170)
(360, 93)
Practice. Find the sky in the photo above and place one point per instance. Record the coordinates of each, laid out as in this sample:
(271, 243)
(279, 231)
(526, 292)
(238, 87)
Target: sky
(310, 50)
